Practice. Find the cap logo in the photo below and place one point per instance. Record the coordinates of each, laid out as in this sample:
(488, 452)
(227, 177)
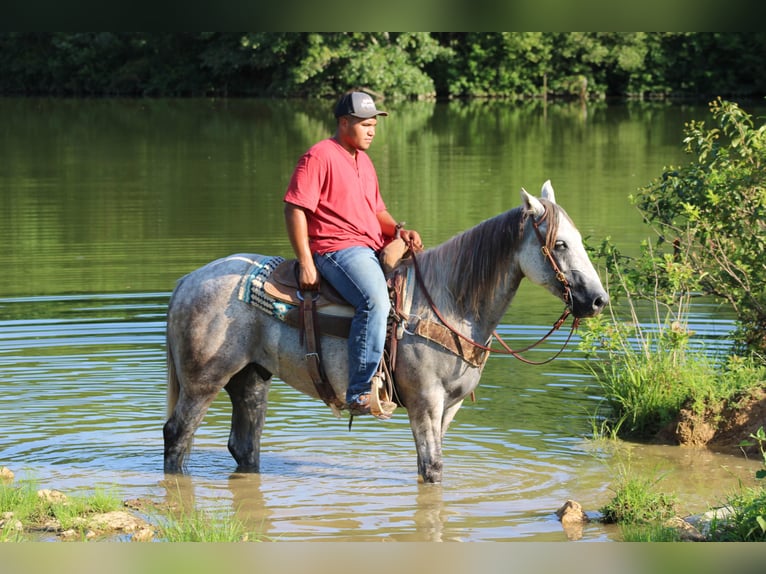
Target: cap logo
(357, 104)
(367, 104)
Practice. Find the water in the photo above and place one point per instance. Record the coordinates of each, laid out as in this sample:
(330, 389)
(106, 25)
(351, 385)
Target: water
(106, 203)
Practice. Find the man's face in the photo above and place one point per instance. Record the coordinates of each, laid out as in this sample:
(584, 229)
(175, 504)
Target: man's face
(357, 133)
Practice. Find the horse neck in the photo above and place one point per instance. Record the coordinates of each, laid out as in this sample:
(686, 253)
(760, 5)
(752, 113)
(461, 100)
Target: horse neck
(473, 276)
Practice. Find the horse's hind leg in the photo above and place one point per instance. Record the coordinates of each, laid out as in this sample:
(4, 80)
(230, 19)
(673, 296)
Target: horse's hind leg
(178, 431)
(248, 391)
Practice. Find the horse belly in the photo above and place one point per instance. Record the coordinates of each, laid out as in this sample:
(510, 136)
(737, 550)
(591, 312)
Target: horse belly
(283, 353)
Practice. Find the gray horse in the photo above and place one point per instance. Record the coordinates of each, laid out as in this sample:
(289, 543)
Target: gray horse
(216, 341)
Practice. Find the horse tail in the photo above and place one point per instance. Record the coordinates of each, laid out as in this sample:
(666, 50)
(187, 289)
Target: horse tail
(173, 387)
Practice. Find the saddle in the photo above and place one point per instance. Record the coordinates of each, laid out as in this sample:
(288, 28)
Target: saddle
(333, 312)
(327, 312)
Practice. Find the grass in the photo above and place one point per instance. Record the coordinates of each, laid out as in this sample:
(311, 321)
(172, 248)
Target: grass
(649, 533)
(24, 510)
(24, 513)
(647, 374)
(201, 526)
(636, 500)
(640, 508)
(747, 523)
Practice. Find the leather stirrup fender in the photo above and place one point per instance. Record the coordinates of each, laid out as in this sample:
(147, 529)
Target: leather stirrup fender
(314, 354)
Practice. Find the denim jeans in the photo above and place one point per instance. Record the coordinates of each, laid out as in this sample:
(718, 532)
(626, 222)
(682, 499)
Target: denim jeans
(356, 274)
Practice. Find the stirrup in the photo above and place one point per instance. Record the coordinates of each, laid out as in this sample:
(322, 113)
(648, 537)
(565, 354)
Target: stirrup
(381, 406)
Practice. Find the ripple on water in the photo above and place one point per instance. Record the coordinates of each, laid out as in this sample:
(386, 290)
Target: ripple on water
(82, 391)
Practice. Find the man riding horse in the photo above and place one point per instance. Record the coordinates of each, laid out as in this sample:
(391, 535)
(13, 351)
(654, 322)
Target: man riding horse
(337, 223)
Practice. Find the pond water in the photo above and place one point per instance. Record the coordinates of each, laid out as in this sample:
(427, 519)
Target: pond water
(106, 203)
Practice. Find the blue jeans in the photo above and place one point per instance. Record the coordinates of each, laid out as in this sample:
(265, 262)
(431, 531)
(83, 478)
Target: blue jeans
(356, 274)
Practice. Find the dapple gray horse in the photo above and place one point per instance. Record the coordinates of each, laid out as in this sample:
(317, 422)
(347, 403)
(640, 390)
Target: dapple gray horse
(216, 341)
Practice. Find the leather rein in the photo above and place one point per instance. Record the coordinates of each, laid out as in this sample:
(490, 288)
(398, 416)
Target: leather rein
(506, 349)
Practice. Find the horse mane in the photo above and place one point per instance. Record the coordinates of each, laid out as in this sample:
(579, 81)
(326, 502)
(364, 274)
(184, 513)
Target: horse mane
(469, 267)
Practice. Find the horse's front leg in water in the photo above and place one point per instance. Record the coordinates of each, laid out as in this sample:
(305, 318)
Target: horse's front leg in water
(426, 424)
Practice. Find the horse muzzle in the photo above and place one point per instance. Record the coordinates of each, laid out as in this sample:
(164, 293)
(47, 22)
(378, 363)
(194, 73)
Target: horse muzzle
(586, 298)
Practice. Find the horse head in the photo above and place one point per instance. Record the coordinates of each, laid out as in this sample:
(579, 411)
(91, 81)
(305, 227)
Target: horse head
(553, 255)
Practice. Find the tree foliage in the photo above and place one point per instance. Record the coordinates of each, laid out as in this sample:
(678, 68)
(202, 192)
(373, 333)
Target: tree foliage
(393, 64)
(712, 214)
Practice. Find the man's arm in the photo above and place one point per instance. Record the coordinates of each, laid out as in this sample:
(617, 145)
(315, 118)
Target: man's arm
(390, 226)
(297, 230)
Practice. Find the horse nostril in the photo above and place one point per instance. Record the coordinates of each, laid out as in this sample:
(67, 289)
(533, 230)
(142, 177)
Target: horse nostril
(600, 302)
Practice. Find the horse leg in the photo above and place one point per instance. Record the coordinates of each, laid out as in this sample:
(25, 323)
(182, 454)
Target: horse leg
(248, 391)
(449, 414)
(426, 425)
(181, 426)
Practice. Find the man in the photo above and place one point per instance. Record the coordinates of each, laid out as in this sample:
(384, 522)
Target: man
(337, 223)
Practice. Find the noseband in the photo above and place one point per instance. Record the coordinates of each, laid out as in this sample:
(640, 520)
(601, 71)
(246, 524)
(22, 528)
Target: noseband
(505, 348)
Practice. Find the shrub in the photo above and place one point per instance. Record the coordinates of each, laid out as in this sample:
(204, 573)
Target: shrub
(710, 217)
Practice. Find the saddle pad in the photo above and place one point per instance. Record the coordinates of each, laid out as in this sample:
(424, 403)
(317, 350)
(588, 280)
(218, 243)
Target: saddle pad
(252, 290)
(251, 287)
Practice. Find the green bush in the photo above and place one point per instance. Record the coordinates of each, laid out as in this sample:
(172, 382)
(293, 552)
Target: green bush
(648, 370)
(711, 218)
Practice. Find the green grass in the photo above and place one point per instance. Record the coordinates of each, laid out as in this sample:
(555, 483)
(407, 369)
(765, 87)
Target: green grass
(747, 523)
(636, 500)
(647, 377)
(649, 533)
(201, 526)
(639, 508)
(21, 503)
(748, 520)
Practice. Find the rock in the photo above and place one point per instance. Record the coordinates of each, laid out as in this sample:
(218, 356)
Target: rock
(703, 521)
(144, 534)
(69, 535)
(6, 474)
(572, 518)
(9, 522)
(572, 512)
(117, 521)
(686, 531)
(53, 496)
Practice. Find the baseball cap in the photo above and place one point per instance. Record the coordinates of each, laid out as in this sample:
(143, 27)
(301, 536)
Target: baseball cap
(359, 105)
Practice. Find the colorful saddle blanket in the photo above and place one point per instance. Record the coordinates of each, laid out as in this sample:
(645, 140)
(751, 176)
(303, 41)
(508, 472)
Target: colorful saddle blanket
(251, 287)
(277, 297)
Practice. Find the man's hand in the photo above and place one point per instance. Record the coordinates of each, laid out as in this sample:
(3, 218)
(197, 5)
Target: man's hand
(308, 277)
(412, 239)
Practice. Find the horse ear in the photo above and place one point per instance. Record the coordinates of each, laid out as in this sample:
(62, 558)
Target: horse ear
(532, 204)
(547, 192)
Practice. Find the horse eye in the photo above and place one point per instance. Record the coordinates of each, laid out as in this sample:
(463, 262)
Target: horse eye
(560, 245)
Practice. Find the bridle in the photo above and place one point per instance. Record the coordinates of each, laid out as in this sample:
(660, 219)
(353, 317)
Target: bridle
(506, 349)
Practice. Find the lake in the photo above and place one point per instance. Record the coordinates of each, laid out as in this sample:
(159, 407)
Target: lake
(106, 203)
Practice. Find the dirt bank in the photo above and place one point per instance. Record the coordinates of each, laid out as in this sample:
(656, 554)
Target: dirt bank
(721, 428)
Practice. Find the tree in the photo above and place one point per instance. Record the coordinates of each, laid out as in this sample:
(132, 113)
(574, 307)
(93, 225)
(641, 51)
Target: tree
(326, 64)
(713, 214)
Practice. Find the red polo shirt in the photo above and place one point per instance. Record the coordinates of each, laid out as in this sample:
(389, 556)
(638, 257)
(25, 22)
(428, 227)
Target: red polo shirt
(342, 195)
